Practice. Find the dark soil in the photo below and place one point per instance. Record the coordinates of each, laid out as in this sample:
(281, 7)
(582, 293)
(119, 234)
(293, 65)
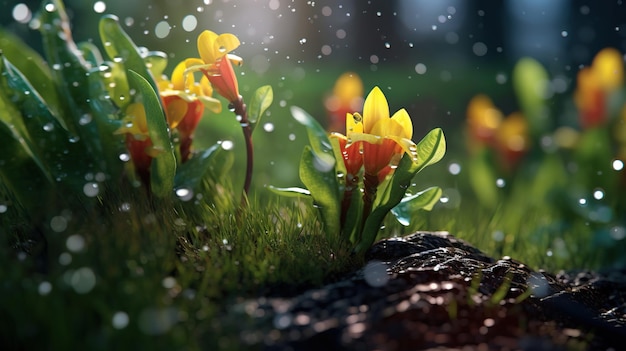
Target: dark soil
(431, 291)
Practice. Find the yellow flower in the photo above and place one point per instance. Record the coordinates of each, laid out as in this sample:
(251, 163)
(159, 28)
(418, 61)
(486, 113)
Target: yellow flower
(215, 62)
(383, 139)
(347, 97)
(595, 84)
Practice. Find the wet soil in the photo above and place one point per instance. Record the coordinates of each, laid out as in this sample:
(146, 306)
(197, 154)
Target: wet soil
(431, 291)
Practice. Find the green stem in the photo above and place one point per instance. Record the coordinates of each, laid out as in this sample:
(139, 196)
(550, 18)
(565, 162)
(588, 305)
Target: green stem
(370, 185)
(242, 114)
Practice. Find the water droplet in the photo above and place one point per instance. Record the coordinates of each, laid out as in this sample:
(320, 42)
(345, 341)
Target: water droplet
(500, 183)
(618, 232)
(454, 168)
(65, 259)
(3, 208)
(48, 127)
(44, 288)
(75, 243)
(162, 29)
(184, 194)
(387, 45)
(598, 194)
(420, 68)
(292, 137)
(91, 189)
(120, 320)
(564, 34)
(99, 6)
(582, 202)
(124, 157)
(375, 274)
(190, 22)
(83, 280)
(268, 127)
(618, 165)
(227, 144)
(479, 49)
(21, 13)
(302, 41)
(58, 224)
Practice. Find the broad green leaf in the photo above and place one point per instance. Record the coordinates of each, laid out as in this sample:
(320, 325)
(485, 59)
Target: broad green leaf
(430, 150)
(29, 62)
(290, 192)
(163, 169)
(191, 173)
(156, 61)
(120, 48)
(322, 183)
(63, 157)
(261, 101)
(424, 200)
(318, 137)
(531, 81)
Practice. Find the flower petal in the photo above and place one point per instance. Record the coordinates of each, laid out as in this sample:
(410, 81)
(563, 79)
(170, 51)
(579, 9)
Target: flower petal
(402, 118)
(374, 109)
(178, 76)
(206, 46)
(354, 123)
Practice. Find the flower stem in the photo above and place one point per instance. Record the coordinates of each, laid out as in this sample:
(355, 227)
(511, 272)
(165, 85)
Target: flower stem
(370, 185)
(242, 114)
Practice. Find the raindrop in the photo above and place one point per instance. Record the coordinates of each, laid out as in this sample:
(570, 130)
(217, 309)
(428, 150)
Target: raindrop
(227, 144)
(44, 288)
(75, 243)
(50, 7)
(420, 68)
(498, 235)
(48, 127)
(582, 202)
(434, 27)
(120, 320)
(124, 157)
(452, 38)
(454, 168)
(58, 224)
(99, 6)
(564, 34)
(65, 259)
(501, 78)
(326, 50)
(379, 14)
(21, 13)
(84, 119)
(374, 59)
(125, 207)
(618, 165)
(168, 282)
(302, 41)
(83, 280)
(129, 21)
(387, 45)
(274, 4)
(292, 137)
(327, 11)
(500, 183)
(375, 274)
(184, 194)
(618, 233)
(479, 49)
(91, 189)
(190, 22)
(162, 29)
(341, 34)
(598, 194)
(268, 127)
(3, 208)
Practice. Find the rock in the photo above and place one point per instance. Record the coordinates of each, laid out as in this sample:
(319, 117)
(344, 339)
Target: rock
(430, 290)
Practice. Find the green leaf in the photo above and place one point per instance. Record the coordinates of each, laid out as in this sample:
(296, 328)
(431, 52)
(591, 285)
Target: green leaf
(531, 82)
(191, 173)
(483, 180)
(120, 48)
(424, 200)
(261, 101)
(156, 61)
(69, 68)
(91, 53)
(290, 192)
(33, 65)
(318, 137)
(430, 150)
(49, 141)
(163, 169)
(24, 178)
(321, 181)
